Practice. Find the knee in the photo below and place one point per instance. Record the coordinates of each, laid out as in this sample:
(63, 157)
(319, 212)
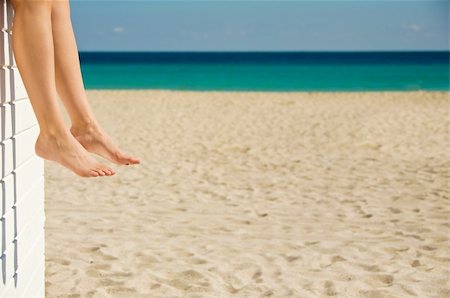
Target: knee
(34, 6)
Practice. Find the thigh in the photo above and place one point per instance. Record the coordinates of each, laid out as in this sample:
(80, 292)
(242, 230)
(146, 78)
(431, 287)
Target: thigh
(32, 4)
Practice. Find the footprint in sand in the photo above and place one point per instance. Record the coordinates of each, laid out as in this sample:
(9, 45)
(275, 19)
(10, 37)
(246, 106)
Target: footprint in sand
(198, 261)
(109, 282)
(100, 266)
(329, 288)
(376, 294)
(382, 279)
(291, 259)
(122, 291)
(155, 286)
(189, 275)
(371, 268)
(188, 280)
(257, 277)
(337, 258)
(120, 274)
(60, 261)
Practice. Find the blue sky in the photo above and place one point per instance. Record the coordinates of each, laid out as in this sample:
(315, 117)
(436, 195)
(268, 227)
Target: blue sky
(246, 25)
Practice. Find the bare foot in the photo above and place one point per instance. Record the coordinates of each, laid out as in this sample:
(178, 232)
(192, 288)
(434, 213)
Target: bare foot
(97, 141)
(65, 150)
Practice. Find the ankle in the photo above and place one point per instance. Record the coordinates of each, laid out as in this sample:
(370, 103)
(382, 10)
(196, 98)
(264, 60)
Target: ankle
(83, 127)
(49, 134)
(86, 121)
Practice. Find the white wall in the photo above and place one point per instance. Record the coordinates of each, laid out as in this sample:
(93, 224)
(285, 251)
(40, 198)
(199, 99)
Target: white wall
(22, 180)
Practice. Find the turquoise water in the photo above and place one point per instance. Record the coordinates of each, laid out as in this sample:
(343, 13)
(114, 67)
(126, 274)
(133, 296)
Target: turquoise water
(271, 71)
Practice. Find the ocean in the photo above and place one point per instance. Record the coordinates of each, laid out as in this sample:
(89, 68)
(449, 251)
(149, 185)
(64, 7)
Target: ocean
(267, 71)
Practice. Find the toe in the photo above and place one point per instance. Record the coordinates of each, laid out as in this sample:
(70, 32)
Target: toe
(100, 171)
(87, 174)
(128, 159)
(106, 172)
(120, 158)
(134, 160)
(109, 171)
(92, 173)
(105, 169)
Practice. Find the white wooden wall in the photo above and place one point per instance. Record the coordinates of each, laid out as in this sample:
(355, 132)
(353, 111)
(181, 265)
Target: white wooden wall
(22, 179)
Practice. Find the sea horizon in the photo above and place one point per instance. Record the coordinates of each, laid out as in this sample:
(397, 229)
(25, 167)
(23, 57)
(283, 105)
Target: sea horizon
(322, 71)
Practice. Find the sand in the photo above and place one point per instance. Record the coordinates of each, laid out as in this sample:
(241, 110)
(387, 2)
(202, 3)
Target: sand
(258, 195)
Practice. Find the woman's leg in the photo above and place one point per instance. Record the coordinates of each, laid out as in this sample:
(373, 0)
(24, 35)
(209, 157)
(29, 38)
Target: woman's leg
(33, 50)
(69, 84)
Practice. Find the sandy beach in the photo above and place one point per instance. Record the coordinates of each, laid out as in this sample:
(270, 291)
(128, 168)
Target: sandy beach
(258, 194)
